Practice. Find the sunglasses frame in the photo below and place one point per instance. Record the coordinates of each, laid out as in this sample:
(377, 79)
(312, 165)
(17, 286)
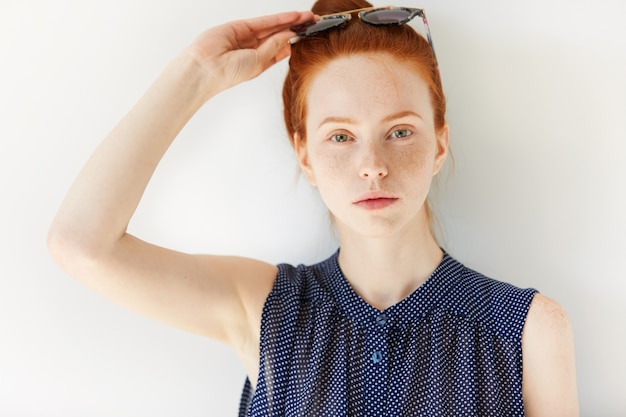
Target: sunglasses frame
(344, 17)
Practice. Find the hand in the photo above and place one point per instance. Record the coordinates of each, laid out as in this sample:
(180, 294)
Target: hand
(238, 51)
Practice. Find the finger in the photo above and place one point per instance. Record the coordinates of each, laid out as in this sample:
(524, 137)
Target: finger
(265, 26)
(283, 53)
(274, 49)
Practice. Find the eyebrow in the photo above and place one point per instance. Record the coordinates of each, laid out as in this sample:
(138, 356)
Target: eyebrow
(389, 118)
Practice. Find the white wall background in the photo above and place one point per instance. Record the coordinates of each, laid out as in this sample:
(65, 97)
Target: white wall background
(537, 109)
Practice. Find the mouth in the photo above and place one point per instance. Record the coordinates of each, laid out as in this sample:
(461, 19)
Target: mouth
(375, 201)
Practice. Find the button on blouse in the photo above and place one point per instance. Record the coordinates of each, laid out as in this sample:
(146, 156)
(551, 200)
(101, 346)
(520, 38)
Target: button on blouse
(452, 347)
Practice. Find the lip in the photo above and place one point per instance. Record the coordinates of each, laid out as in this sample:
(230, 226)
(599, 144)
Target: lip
(375, 200)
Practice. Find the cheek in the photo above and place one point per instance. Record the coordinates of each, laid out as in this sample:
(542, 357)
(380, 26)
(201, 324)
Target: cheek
(332, 167)
(412, 163)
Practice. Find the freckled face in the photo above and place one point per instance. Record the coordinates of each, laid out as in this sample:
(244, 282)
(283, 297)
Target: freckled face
(371, 147)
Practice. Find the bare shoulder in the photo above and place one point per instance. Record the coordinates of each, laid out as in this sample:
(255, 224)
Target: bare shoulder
(545, 314)
(252, 280)
(549, 372)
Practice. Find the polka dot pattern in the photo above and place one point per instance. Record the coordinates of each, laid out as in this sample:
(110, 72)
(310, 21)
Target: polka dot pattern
(451, 348)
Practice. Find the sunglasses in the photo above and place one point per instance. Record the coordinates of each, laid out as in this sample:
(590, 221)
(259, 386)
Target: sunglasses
(376, 16)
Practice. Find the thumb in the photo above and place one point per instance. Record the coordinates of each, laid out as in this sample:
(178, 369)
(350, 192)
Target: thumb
(274, 49)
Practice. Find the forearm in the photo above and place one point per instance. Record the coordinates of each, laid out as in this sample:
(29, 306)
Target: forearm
(100, 203)
(94, 216)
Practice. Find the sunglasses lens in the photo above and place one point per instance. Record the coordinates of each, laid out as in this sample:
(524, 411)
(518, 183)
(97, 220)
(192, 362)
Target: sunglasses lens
(312, 28)
(395, 16)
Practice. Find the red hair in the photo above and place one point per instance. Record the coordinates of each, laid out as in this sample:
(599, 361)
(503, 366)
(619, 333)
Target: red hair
(310, 55)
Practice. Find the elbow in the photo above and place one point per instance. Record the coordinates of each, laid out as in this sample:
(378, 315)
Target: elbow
(58, 245)
(72, 250)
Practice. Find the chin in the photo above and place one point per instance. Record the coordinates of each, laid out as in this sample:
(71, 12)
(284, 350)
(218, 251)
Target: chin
(382, 227)
(373, 229)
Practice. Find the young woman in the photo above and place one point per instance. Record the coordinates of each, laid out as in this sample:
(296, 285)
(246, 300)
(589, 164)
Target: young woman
(389, 325)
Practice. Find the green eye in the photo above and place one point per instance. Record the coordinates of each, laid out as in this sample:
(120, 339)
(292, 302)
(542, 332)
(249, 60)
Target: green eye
(401, 133)
(340, 138)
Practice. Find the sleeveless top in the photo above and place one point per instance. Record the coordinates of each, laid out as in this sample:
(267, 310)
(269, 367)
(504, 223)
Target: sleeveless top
(451, 348)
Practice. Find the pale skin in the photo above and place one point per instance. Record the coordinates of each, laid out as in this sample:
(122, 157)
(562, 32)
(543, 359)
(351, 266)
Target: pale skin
(371, 153)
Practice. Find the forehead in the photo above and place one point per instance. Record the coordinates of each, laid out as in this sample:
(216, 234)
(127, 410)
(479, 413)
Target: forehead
(367, 86)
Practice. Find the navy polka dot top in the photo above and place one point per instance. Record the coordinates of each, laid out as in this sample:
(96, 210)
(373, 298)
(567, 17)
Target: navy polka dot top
(451, 348)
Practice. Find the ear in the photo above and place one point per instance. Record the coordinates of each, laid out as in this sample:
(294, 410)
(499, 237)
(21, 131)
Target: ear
(443, 143)
(302, 154)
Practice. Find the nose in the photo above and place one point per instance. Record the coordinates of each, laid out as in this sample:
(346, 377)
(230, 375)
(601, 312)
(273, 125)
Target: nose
(373, 165)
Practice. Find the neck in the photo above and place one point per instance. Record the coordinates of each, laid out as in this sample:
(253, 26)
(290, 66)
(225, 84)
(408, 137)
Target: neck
(385, 270)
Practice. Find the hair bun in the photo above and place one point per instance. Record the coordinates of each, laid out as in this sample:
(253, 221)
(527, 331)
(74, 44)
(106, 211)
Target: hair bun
(322, 7)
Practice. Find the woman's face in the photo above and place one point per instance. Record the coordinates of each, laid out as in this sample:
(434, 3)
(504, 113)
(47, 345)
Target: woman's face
(371, 147)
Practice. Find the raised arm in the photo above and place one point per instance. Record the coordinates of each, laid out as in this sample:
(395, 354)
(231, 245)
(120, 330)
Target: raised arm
(214, 296)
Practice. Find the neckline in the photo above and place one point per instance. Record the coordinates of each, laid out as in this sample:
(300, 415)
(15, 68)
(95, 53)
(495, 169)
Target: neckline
(417, 304)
